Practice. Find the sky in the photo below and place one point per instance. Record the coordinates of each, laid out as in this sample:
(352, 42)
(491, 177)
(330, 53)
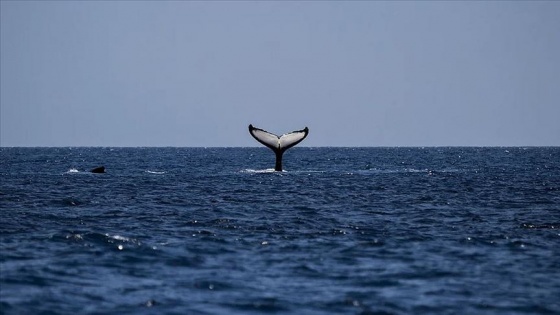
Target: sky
(357, 73)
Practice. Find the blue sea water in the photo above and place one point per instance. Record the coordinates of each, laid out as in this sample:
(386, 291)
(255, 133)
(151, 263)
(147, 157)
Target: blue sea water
(340, 231)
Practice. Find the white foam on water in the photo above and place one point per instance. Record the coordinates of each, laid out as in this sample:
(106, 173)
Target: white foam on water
(268, 170)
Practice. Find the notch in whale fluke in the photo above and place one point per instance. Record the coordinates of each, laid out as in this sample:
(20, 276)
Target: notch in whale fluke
(278, 144)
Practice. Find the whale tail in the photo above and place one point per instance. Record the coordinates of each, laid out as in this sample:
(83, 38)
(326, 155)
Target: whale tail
(278, 144)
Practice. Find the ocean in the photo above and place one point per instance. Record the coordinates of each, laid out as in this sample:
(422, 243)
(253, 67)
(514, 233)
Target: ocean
(446, 230)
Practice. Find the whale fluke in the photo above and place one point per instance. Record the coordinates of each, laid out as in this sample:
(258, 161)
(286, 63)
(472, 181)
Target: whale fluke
(100, 169)
(278, 144)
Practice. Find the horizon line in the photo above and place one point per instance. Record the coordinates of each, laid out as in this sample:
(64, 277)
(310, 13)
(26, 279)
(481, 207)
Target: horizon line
(307, 147)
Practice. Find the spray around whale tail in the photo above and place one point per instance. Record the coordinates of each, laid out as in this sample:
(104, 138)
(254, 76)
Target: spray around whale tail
(278, 144)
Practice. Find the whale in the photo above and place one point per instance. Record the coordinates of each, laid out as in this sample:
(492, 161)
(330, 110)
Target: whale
(100, 169)
(278, 144)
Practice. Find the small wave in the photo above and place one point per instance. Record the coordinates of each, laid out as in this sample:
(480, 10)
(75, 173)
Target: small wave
(94, 239)
(373, 171)
(72, 170)
(156, 172)
(118, 237)
(307, 171)
(551, 226)
(414, 170)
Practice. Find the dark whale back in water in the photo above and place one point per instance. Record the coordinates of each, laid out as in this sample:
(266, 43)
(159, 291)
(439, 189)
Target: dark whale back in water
(278, 144)
(100, 169)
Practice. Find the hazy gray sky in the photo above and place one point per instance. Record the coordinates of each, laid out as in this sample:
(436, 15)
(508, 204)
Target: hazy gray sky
(126, 73)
